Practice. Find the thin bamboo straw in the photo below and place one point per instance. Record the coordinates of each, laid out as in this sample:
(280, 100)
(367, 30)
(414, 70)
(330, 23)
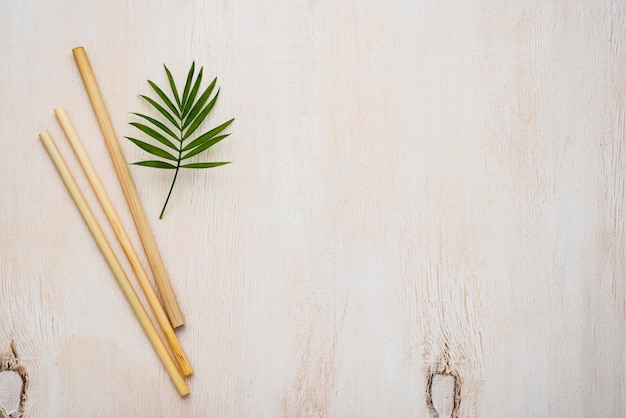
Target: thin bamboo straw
(124, 240)
(170, 302)
(114, 264)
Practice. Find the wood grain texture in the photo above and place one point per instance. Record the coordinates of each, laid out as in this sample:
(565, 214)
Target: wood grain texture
(418, 187)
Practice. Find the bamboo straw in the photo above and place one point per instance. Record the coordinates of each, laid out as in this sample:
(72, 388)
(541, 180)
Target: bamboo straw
(124, 240)
(170, 302)
(114, 264)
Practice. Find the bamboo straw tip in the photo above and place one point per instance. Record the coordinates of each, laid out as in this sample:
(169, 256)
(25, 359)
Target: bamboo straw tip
(185, 367)
(78, 49)
(59, 109)
(176, 319)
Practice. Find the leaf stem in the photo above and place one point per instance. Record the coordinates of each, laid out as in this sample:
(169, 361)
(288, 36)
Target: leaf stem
(180, 151)
(170, 192)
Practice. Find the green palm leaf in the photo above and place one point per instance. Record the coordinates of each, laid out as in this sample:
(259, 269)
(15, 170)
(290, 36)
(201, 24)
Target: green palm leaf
(161, 110)
(154, 134)
(166, 100)
(201, 116)
(152, 149)
(203, 165)
(205, 145)
(158, 124)
(198, 106)
(187, 87)
(186, 114)
(193, 94)
(155, 164)
(172, 85)
(205, 137)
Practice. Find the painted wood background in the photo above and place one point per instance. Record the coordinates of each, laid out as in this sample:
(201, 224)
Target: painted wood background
(418, 187)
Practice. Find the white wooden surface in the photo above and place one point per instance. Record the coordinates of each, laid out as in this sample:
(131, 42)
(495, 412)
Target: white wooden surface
(417, 187)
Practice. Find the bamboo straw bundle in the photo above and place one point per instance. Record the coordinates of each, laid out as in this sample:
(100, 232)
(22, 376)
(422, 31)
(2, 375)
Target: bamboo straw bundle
(167, 318)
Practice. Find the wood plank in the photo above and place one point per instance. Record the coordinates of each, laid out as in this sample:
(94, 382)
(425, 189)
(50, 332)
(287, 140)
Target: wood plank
(418, 188)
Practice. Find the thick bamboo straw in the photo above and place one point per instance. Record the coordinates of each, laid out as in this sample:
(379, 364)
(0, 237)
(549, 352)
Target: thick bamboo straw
(114, 264)
(124, 240)
(170, 302)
